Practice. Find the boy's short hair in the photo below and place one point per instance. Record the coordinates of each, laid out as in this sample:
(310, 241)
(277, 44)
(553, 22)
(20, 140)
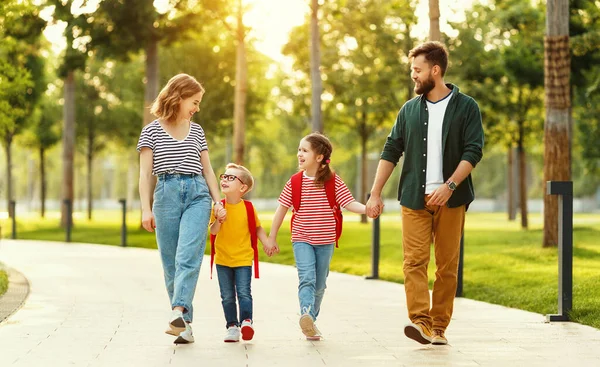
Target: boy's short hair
(245, 177)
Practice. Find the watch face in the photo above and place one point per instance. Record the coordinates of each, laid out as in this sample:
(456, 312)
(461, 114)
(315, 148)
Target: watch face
(451, 185)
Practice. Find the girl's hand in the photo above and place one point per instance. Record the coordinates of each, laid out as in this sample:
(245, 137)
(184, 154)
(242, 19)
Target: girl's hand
(148, 220)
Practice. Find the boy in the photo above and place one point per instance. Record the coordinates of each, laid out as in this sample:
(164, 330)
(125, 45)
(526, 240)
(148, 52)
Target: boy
(234, 244)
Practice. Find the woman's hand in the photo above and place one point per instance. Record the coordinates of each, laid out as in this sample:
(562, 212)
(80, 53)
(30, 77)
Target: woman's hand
(148, 220)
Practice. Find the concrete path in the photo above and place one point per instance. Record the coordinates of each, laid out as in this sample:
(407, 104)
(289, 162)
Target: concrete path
(92, 305)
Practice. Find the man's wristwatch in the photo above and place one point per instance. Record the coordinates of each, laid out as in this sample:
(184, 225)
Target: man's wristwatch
(217, 203)
(451, 185)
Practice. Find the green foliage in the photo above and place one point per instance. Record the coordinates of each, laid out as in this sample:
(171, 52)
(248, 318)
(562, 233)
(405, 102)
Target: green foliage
(21, 66)
(506, 74)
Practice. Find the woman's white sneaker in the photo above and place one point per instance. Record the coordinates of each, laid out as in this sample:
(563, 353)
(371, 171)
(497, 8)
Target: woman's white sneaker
(186, 336)
(176, 324)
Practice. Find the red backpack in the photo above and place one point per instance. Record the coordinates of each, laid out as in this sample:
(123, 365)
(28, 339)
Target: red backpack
(329, 191)
(253, 238)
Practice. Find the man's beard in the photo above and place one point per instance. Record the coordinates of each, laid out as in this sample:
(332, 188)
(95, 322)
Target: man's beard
(426, 86)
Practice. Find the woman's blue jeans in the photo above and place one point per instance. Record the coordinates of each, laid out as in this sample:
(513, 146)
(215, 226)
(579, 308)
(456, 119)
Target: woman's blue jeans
(312, 262)
(232, 281)
(182, 206)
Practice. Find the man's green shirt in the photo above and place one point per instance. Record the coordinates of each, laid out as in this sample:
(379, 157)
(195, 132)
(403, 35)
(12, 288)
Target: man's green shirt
(462, 139)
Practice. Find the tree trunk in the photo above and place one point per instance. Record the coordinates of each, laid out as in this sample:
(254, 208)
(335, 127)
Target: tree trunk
(512, 208)
(42, 182)
(557, 153)
(315, 73)
(241, 87)
(523, 186)
(9, 189)
(68, 142)
(364, 137)
(90, 162)
(434, 21)
(151, 90)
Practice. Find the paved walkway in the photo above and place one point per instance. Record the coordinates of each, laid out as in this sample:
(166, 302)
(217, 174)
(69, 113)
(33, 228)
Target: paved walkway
(95, 305)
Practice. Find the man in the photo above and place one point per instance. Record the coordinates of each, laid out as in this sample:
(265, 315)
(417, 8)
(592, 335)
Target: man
(441, 136)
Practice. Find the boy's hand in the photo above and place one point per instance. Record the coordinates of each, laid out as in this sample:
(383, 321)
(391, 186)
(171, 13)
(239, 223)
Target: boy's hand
(220, 214)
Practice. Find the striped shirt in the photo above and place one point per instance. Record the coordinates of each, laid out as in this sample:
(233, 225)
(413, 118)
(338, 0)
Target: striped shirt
(170, 155)
(314, 223)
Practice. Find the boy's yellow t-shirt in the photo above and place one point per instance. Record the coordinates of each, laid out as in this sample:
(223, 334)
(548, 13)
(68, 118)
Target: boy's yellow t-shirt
(233, 246)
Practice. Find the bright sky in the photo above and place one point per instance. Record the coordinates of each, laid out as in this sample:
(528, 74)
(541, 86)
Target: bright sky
(272, 21)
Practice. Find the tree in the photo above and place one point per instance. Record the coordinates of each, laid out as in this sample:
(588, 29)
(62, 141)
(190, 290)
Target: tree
(315, 65)
(364, 64)
(557, 148)
(434, 21)
(74, 59)
(241, 89)
(505, 77)
(43, 134)
(21, 74)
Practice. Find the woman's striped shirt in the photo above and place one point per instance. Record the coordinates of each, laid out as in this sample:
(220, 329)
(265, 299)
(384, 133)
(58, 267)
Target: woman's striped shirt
(170, 155)
(314, 223)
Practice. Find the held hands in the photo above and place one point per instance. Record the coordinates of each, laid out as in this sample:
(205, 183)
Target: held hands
(374, 206)
(271, 247)
(440, 196)
(148, 220)
(220, 213)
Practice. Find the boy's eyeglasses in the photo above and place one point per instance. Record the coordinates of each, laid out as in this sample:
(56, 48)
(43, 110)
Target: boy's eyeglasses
(227, 177)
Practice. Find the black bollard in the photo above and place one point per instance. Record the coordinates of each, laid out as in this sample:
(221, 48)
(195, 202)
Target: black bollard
(374, 248)
(69, 209)
(124, 225)
(564, 190)
(459, 280)
(13, 211)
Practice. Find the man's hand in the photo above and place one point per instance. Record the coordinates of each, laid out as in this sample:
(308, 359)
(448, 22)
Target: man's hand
(440, 196)
(374, 206)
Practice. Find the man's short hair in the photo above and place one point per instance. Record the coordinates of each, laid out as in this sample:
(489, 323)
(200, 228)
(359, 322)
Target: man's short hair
(435, 54)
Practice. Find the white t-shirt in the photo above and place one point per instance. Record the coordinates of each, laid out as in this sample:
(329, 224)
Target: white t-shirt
(171, 155)
(434, 177)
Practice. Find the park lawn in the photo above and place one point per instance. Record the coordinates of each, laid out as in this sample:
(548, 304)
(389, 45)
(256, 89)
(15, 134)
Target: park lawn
(503, 264)
(3, 282)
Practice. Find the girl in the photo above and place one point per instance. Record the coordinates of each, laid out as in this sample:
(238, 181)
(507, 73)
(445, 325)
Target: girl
(174, 149)
(313, 224)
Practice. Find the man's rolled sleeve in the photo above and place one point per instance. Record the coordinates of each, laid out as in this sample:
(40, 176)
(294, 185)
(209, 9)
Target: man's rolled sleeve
(394, 144)
(473, 149)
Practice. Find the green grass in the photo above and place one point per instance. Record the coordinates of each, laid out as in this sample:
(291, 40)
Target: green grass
(3, 282)
(503, 264)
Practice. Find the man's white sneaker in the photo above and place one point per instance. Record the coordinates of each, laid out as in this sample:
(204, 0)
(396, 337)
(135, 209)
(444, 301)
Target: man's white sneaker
(233, 335)
(186, 336)
(176, 323)
(247, 330)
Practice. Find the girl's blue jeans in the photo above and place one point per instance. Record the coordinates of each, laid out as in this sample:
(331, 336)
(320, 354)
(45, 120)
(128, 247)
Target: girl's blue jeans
(312, 262)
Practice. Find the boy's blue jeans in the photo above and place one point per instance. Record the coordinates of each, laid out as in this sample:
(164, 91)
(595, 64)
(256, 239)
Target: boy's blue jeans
(181, 208)
(234, 280)
(312, 262)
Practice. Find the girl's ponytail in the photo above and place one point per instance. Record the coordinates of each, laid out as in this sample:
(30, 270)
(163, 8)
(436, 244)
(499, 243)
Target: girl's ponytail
(321, 145)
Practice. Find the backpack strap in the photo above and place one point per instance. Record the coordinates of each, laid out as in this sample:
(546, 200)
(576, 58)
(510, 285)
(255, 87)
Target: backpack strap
(337, 211)
(253, 236)
(296, 182)
(213, 237)
(297, 190)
